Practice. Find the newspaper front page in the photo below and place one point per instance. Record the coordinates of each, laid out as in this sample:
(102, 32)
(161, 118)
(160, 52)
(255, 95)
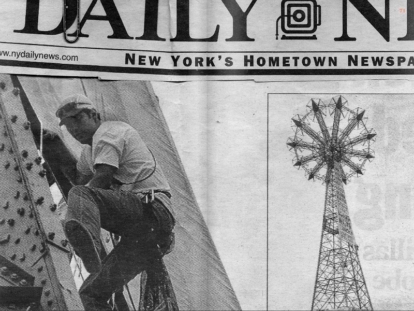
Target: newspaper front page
(284, 129)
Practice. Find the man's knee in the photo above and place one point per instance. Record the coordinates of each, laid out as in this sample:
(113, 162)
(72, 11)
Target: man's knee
(77, 198)
(90, 289)
(91, 303)
(84, 291)
(78, 191)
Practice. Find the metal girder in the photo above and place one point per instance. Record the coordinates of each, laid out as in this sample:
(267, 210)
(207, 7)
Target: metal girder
(352, 165)
(302, 144)
(321, 121)
(359, 139)
(351, 125)
(337, 119)
(343, 175)
(31, 235)
(308, 130)
(316, 169)
(306, 159)
(361, 154)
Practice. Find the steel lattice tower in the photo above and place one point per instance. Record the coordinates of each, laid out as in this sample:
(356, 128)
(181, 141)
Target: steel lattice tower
(334, 155)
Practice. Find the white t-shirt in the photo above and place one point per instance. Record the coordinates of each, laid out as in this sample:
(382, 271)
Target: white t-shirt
(118, 144)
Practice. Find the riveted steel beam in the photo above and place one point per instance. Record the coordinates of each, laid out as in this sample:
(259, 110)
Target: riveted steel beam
(30, 230)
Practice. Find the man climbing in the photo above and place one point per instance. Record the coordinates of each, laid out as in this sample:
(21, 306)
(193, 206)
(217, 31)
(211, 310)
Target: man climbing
(120, 187)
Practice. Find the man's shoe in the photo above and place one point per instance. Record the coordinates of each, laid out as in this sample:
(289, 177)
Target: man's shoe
(83, 243)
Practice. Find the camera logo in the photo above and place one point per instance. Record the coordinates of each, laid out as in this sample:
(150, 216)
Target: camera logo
(300, 19)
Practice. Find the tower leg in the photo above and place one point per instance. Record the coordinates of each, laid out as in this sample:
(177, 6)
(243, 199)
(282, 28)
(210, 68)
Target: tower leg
(340, 282)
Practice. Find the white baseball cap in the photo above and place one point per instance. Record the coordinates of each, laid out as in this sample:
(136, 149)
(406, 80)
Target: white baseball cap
(72, 105)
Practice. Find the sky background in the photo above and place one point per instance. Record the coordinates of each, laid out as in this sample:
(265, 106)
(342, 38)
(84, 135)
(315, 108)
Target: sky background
(220, 129)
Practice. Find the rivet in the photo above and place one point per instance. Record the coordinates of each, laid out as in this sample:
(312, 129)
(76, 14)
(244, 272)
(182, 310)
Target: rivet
(16, 167)
(2, 146)
(14, 276)
(26, 125)
(4, 270)
(25, 154)
(42, 173)
(10, 222)
(40, 269)
(53, 207)
(31, 213)
(17, 241)
(2, 221)
(40, 200)
(20, 211)
(38, 160)
(25, 196)
(6, 206)
(36, 232)
(22, 257)
(13, 118)
(51, 235)
(23, 283)
(10, 150)
(33, 248)
(16, 91)
(29, 166)
(27, 231)
(7, 165)
(13, 257)
(5, 240)
(64, 243)
(19, 179)
(50, 302)
(43, 282)
(17, 195)
(43, 248)
(2, 85)
(47, 292)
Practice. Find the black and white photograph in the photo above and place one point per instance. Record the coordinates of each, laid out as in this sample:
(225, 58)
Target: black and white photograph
(157, 239)
(342, 188)
(165, 155)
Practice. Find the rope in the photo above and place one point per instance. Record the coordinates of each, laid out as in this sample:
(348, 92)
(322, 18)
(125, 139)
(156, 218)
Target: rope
(145, 178)
(126, 285)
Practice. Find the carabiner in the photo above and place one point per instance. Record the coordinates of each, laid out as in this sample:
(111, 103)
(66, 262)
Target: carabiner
(65, 35)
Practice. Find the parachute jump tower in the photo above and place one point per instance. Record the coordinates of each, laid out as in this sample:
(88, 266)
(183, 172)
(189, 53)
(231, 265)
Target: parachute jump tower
(334, 155)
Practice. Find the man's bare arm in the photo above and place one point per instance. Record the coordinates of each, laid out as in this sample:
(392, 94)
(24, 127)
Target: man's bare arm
(61, 160)
(103, 176)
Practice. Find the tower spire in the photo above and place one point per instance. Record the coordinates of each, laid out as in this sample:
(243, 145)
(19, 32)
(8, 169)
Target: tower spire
(334, 158)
